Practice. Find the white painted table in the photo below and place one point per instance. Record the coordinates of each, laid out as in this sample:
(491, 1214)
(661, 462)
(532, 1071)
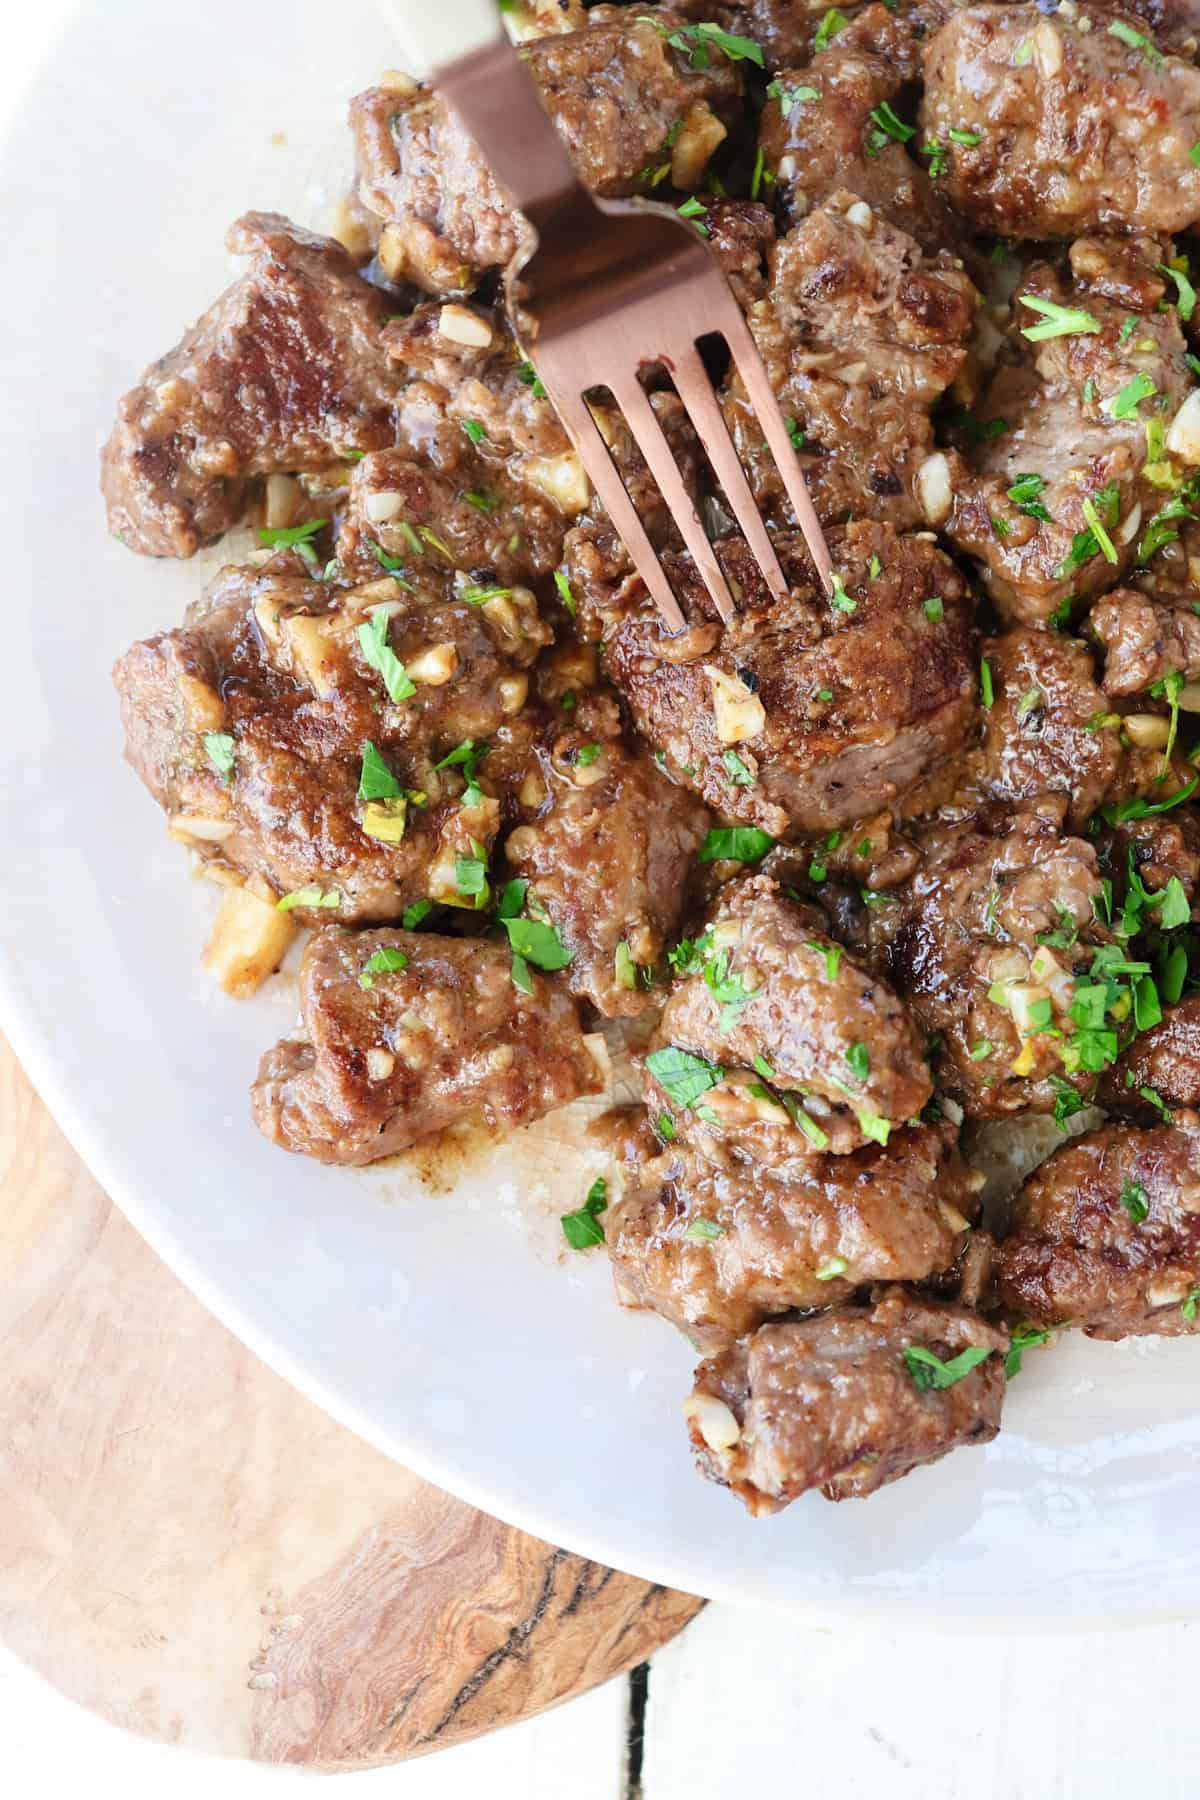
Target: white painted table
(738, 1701)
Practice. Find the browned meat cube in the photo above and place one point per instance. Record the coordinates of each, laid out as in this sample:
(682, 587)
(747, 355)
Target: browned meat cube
(962, 943)
(405, 1033)
(821, 133)
(1165, 1060)
(282, 373)
(1057, 501)
(1079, 123)
(1106, 1234)
(843, 1403)
(633, 110)
(298, 740)
(608, 855)
(717, 1246)
(1143, 641)
(861, 337)
(766, 987)
(802, 714)
(1043, 731)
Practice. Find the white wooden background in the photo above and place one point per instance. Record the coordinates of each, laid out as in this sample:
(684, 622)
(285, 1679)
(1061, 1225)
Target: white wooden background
(739, 1701)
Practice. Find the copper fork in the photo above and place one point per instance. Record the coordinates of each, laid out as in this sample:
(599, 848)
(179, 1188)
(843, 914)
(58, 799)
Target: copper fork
(616, 288)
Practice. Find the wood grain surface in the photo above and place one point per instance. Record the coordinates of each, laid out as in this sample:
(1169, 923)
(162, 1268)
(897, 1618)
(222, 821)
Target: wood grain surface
(193, 1550)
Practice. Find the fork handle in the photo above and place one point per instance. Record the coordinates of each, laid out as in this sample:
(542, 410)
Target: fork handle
(479, 73)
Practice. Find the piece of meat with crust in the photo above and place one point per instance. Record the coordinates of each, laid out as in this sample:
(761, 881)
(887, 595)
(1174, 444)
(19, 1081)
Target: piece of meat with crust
(276, 679)
(716, 1247)
(1041, 733)
(832, 710)
(1165, 1059)
(741, 234)
(766, 985)
(961, 944)
(861, 336)
(388, 1055)
(282, 373)
(627, 102)
(1075, 128)
(1106, 1234)
(818, 143)
(1075, 410)
(832, 1403)
(1144, 642)
(608, 854)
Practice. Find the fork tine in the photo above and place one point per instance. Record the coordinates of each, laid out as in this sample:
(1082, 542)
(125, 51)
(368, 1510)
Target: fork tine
(762, 397)
(605, 477)
(695, 390)
(640, 416)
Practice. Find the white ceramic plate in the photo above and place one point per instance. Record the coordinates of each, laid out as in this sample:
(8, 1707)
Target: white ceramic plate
(449, 1329)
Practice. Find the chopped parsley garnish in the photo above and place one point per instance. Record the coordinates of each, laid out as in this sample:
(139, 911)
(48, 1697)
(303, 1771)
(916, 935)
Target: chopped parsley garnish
(887, 126)
(1146, 809)
(586, 755)
(293, 537)
(1125, 403)
(564, 592)
(938, 155)
(218, 747)
(736, 771)
(981, 1049)
(1024, 494)
(474, 430)
(393, 565)
(692, 208)
(703, 1231)
(1127, 330)
(309, 896)
(512, 898)
(1065, 933)
(762, 176)
(1135, 40)
(929, 1371)
(833, 22)
(1030, 701)
(470, 875)
(416, 914)
(384, 962)
(969, 138)
(528, 375)
(795, 435)
(682, 1076)
(376, 781)
(1025, 1337)
(484, 503)
(832, 958)
(977, 430)
(874, 567)
(1133, 1199)
(737, 843)
(790, 98)
(1161, 529)
(1153, 1098)
(935, 610)
(1105, 507)
(1057, 321)
(466, 756)
(694, 41)
(1186, 301)
(480, 596)
(665, 1127)
(986, 686)
(858, 1061)
(583, 1229)
(837, 1265)
(533, 940)
(1000, 527)
(1189, 1305)
(840, 600)
(1067, 1100)
(729, 991)
(379, 655)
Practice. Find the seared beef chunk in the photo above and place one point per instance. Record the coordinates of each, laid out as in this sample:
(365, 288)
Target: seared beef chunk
(1106, 1234)
(1055, 504)
(819, 136)
(1143, 642)
(832, 710)
(833, 1402)
(405, 1033)
(766, 987)
(741, 234)
(861, 337)
(961, 943)
(717, 1246)
(1165, 1060)
(1042, 731)
(253, 728)
(607, 855)
(1074, 128)
(627, 102)
(282, 373)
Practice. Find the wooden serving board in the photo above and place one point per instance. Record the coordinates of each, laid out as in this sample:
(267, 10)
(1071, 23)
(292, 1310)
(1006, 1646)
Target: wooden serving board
(193, 1550)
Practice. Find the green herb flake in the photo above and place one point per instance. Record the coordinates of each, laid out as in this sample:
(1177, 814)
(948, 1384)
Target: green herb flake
(293, 537)
(835, 21)
(1125, 403)
(537, 942)
(309, 896)
(1057, 321)
(528, 376)
(829, 1271)
(1135, 40)
(858, 1061)
(379, 655)
(383, 962)
(682, 1076)
(1189, 1305)
(694, 41)
(737, 774)
(935, 610)
(1185, 292)
(376, 781)
(474, 430)
(831, 955)
(1024, 1337)
(887, 125)
(416, 914)
(583, 1229)
(969, 138)
(790, 98)
(564, 592)
(218, 747)
(840, 600)
(735, 843)
(470, 875)
(986, 686)
(703, 1231)
(930, 1372)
